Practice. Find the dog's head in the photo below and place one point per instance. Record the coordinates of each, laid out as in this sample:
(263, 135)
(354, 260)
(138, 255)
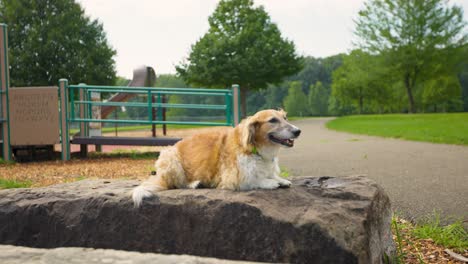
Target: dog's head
(268, 128)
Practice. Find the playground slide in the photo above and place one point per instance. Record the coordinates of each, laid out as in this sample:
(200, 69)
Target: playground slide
(143, 76)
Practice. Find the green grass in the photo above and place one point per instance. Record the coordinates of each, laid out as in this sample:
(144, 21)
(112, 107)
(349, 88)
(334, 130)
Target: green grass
(400, 254)
(451, 236)
(284, 172)
(400, 230)
(437, 128)
(6, 162)
(10, 184)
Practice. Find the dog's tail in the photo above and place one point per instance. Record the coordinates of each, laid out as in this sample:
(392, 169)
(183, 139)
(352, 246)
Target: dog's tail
(146, 189)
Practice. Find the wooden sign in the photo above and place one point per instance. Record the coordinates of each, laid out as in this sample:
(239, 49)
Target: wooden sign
(34, 116)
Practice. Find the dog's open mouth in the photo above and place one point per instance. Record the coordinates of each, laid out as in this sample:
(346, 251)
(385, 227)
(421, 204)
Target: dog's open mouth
(289, 142)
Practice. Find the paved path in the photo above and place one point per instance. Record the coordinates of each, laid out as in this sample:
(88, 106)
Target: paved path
(419, 177)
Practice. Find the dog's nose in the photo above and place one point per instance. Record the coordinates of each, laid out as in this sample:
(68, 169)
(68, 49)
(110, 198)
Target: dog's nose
(296, 132)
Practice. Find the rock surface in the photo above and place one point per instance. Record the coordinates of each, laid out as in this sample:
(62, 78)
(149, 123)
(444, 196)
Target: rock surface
(317, 220)
(25, 255)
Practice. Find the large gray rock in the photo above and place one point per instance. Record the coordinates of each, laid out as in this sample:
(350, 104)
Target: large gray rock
(26, 255)
(317, 220)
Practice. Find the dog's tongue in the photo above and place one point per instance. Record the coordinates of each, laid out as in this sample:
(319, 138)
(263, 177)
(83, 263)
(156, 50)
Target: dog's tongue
(289, 142)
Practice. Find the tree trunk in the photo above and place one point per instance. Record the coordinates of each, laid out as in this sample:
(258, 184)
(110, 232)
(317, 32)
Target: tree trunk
(411, 106)
(361, 103)
(243, 95)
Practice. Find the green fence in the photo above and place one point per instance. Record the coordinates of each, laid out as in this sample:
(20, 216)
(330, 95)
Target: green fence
(149, 92)
(80, 106)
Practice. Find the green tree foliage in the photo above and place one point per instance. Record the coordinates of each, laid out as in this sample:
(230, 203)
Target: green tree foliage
(274, 96)
(463, 77)
(296, 101)
(170, 81)
(419, 38)
(315, 70)
(242, 46)
(53, 39)
(352, 80)
(441, 92)
(121, 81)
(318, 100)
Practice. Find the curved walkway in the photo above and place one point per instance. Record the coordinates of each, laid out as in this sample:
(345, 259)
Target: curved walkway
(419, 177)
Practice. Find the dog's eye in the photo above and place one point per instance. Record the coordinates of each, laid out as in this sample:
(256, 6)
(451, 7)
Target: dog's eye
(273, 120)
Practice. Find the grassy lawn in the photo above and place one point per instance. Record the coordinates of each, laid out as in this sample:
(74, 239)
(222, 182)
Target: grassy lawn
(437, 128)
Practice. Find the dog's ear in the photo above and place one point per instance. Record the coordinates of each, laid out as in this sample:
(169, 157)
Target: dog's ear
(282, 112)
(248, 132)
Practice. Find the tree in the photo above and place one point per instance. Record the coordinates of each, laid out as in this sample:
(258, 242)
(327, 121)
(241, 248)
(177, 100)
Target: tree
(317, 70)
(318, 99)
(352, 80)
(242, 46)
(441, 90)
(463, 77)
(314, 70)
(275, 95)
(296, 101)
(53, 39)
(419, 38)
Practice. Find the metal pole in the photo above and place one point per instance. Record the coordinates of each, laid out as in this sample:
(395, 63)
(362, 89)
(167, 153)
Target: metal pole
(153, 117)
(227, 100)
(83, 114)
(160, 116)
(164, 115)
(4, 75)
(84, 131)
(64, 134)
(235, 104)
(116, 124)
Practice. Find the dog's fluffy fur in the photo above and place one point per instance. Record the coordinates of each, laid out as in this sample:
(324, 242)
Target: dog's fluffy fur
(240, 158)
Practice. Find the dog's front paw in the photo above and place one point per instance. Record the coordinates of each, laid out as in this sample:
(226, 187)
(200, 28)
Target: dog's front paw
(269, 184)
(284, 183)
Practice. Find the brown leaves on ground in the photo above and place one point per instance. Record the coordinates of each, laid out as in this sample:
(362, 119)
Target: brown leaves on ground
(53, 172)
(417, 251)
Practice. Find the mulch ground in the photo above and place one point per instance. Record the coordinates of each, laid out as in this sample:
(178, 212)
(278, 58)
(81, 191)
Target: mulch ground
(417, 251)
(52, 172)
(102, 167)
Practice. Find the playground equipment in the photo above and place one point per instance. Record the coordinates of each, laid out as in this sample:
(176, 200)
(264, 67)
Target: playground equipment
(142, 77)
(29, 116)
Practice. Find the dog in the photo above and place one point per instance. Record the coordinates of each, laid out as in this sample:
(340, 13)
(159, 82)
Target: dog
(241, 158)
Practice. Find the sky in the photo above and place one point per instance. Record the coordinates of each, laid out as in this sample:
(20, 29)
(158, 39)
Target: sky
(159, 33)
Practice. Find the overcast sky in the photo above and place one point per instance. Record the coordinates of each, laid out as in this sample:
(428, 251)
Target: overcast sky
(159, 33)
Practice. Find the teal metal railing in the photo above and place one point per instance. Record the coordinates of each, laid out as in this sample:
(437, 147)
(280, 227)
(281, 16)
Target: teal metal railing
(149, 92)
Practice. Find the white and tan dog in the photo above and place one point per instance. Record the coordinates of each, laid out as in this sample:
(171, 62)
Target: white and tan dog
(240, 158)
